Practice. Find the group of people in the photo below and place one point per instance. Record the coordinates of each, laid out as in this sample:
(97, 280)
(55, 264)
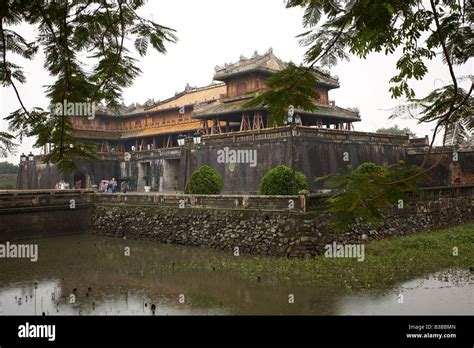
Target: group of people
(108, 186)
(104, 186)
(111, 186)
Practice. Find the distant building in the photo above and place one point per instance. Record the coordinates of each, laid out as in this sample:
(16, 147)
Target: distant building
(139, 143)
(214, 109)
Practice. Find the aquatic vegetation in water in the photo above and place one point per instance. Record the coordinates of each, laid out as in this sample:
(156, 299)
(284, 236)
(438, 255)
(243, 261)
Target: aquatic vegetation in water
(386, 263)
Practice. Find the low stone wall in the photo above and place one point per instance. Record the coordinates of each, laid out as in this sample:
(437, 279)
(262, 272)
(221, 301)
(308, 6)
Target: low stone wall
(16, 199)
(292, 202)
(282, 233)
(254, 224)
(44, 213)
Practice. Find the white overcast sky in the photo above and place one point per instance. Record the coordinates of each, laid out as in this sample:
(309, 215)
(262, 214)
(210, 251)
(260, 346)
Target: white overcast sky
(214, 32)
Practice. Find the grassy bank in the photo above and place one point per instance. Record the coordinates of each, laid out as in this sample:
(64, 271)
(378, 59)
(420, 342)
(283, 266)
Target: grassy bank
(387, 263)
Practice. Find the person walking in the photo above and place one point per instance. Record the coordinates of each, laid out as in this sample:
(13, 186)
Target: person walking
(124, 186)
(114, 185)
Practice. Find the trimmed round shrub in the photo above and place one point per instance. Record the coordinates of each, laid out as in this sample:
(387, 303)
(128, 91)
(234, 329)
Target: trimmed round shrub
(368, 168)
(204, 181)
(279, 181)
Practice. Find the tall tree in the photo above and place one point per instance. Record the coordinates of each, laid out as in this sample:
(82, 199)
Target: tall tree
(418, 30)
(67, 31)
(8, 168)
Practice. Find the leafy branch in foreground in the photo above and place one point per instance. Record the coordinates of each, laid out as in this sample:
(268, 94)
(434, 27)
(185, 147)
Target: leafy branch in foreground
(364, 194)
(419, 31)
(42, 125)
(293, 86)
(337, 28)
(84, 46)
(7, 145)
(457, 120)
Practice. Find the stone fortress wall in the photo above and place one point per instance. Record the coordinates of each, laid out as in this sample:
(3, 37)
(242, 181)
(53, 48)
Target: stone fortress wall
(314, 151)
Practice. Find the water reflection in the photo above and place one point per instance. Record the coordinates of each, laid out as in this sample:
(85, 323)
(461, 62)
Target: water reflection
(89, 275)
(21, 299)
(438, 294)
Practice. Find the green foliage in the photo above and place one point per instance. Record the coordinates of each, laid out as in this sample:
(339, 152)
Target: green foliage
(364, 194)
(187, 188)
(387, 263)
(8, 168)
(293, 87)
(279, 181)
(67, 31)
(395, 130)
(419, 30)
(8, 176)
(368, 168)
(7, 145)
(204, 181)
(362, 27)
(457, 121)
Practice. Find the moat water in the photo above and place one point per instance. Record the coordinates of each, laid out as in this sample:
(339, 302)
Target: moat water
(90, 275)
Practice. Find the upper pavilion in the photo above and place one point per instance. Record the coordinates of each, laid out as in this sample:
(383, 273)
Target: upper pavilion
(214, 109)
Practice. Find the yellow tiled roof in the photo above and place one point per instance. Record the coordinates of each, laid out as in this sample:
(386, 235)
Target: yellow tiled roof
(194, 96)
(175, 128)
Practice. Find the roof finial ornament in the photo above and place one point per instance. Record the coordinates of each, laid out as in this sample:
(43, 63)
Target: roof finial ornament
(255, 54)
(270, 51)
(242, 58)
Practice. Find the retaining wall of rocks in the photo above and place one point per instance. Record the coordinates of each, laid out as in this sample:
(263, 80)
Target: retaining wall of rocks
(280, 233)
